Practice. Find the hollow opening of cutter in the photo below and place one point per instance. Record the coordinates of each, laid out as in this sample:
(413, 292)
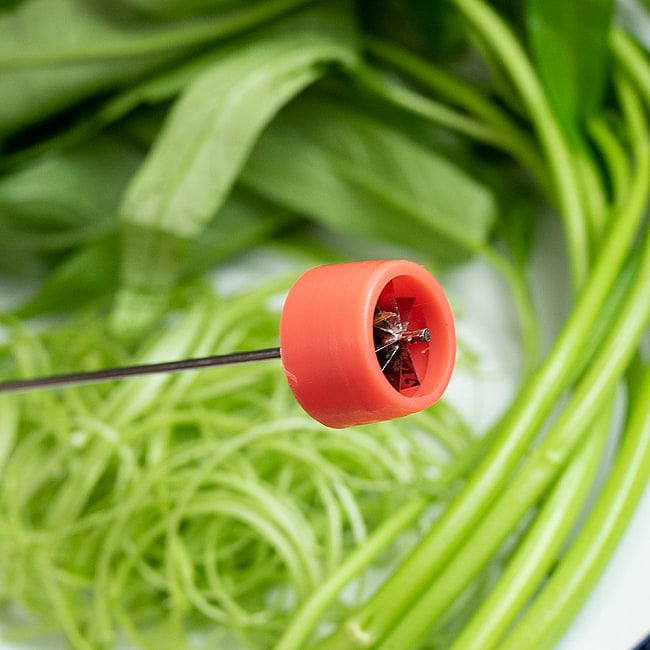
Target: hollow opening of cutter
(400, 337)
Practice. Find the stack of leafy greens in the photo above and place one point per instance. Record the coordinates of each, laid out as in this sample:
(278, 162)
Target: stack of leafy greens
(143, 143)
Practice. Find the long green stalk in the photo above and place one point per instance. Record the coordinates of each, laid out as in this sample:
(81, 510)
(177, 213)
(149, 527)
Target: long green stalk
(634, 62)
(307, 617)
(596, 387)
(509, 137)
(614, 157)
(562, 165)
(304, 623)
(517, 429)
(592, 191)
(384, 611)
(436, 112)
(577, 573)
(159, 41)
(541, 545)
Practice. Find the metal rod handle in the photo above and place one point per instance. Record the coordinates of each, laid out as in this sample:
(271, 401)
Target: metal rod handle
(94, 376)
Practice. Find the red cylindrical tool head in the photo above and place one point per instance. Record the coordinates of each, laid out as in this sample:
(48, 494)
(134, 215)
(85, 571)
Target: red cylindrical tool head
(367, 341)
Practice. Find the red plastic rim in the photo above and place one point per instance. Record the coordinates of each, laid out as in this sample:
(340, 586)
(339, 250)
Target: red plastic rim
(328, 335)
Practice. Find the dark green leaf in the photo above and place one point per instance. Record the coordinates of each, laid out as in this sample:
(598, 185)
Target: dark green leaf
(54, 53)
(359, 176)
(93, 271)
(570, 45)
(243, 222)
(440, 24)
(89, 273)
(176, 8)
(63, 199)
(6, 4)
(206, 140)
(214, 125)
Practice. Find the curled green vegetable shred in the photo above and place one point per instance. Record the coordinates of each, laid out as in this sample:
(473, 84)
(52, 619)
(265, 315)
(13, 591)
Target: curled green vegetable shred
(209, 495)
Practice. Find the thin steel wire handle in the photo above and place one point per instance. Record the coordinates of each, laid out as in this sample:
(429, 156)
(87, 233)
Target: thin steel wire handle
(94, 376)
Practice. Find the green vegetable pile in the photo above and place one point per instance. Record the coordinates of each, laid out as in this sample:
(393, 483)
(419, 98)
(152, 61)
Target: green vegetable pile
(144, 144)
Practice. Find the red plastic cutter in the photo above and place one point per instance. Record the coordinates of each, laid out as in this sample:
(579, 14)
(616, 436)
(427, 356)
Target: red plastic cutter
(359, 342)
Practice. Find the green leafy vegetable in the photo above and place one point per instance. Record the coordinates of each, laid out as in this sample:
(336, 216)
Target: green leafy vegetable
(147, 143)
(65, 199)
(92, 272)
(337, 174)
(206, 140)
(57, 52)
(569, 41)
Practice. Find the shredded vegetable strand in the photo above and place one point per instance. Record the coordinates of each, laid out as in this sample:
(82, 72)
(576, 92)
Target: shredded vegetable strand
(194, 506)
